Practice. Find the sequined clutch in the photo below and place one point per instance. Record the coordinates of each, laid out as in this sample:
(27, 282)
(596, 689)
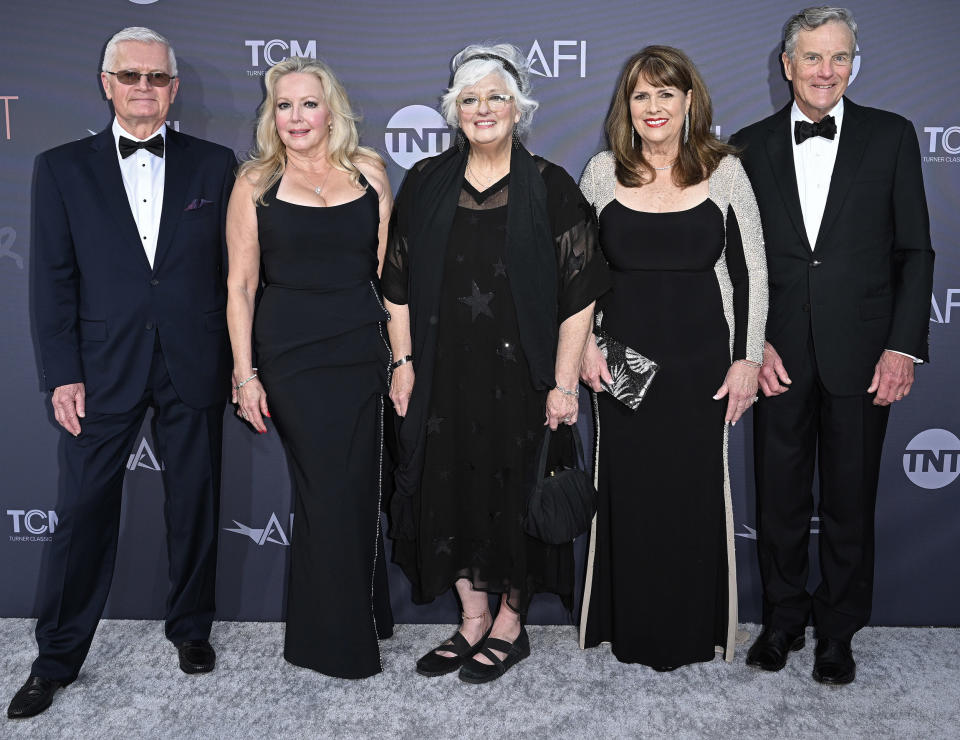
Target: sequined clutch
(631, 372)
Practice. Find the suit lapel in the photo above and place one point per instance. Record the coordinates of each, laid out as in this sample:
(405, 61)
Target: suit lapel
(176, 174)
(785, 174)
(853, 141)
(106, 174)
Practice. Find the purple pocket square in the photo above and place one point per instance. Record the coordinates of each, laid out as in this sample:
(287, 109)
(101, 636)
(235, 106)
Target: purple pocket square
(197, 203)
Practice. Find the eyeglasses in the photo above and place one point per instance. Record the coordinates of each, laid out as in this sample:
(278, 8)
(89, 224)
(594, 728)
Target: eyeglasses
(131, 77)
(495, 101)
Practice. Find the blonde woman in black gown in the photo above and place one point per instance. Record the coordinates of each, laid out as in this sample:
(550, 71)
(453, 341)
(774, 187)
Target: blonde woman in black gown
(308, 216)
(680, 228)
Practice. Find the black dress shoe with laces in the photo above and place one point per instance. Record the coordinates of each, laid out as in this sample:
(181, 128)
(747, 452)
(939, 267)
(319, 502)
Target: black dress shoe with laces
(196, 656)
(33, 697)
(833, 662)
(770, 651)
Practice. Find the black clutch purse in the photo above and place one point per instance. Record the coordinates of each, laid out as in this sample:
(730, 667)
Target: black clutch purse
(563, 500)
(631, 372)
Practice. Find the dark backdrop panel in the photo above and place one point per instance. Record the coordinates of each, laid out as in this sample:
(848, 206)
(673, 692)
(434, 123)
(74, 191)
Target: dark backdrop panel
(394, 60)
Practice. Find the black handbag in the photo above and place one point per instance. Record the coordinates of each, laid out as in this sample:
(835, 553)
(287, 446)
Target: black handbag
(563, 500)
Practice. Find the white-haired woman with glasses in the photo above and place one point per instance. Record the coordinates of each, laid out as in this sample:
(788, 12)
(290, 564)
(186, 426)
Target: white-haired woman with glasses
(308, 217)
(491, 274)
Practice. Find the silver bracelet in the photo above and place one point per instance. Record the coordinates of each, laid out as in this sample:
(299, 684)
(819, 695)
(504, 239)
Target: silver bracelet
(402, 361)
(240, 385)
(575, 392)
(749, 363)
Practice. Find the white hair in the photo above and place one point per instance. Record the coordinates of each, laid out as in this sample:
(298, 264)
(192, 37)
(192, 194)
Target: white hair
(474, 63)
(809, 19)
(136, 33)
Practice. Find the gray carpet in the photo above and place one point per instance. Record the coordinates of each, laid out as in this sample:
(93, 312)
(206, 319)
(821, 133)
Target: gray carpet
(908, 686)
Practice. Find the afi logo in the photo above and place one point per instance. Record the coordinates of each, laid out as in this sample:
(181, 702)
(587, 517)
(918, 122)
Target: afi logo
(275, 50)
(6, 114)
(416, 132)
(541, 67)
(8, 236)
(943, 139)
(33, 521)
(939, 317)
(144, 458)
(272, 532)
(751, 533)
(931, 459)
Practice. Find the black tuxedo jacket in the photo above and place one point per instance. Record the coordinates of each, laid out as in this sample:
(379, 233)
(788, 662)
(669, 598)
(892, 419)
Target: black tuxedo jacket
(866, 286)
(97, 303)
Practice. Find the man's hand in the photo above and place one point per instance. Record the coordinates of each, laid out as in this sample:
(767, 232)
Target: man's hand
(69, 406)
(892, 378)
(773, 375)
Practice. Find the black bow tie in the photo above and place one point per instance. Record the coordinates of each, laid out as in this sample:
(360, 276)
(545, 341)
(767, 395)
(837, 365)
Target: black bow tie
(827, 128)
(129, 146)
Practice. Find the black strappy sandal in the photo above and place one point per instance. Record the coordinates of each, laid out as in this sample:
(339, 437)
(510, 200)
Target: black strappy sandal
(473, 671)
(431, 664)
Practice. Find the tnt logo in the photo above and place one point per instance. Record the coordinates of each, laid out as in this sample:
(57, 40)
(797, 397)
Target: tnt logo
(34, 521)
(414, 133)
(144, 458)
(931, 459)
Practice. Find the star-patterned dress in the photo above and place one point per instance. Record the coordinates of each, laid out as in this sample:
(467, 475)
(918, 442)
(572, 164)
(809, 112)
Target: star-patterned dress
(485, 419)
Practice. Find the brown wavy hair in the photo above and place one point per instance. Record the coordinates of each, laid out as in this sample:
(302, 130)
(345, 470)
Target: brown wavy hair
(664, 66)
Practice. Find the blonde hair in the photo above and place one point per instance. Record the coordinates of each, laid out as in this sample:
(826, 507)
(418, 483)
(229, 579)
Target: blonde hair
(269, 156)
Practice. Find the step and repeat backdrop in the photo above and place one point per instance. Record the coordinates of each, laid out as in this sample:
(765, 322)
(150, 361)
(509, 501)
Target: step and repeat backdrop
(394, 59)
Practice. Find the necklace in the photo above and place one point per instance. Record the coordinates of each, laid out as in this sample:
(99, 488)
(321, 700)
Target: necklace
(661, 169)
(318, 189)
(486, 182)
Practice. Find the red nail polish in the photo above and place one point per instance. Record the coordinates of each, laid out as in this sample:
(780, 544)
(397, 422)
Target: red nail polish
(267, 414)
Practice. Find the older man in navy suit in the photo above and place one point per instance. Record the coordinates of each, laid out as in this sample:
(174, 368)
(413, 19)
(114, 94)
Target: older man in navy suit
(129, 300)
(850, 263)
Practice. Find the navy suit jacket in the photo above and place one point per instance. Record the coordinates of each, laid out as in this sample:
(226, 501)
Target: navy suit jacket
(98, 304)
(866, 286)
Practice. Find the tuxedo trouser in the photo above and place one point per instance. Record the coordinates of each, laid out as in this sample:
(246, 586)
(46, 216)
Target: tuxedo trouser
(844, 435)
(80, 562)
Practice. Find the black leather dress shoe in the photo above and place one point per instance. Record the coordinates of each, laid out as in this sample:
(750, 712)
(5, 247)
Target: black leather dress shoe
(33, 697)
(196, 656)
(833, 662)
(771, 649)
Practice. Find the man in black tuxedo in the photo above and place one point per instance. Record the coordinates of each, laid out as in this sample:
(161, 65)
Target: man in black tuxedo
(129, 307)
(850, 264)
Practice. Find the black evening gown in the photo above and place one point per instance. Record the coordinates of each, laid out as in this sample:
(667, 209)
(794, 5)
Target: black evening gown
(486, 419)
(659, 590)
(323, 362)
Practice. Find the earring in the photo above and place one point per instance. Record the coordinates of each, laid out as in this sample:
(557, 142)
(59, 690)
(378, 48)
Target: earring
(633, 142)
(516, 139)
(686, 127)
(461, 140)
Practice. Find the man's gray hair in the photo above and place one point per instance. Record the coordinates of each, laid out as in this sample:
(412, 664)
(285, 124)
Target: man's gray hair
(810, 18)
(136, 33)
(474, 63)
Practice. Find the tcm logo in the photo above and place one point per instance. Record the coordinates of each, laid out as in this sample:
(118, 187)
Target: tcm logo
(32, 525)
(416, 132)
(751, 534)
(931, 459)
(939, 317)
(276, 50)
(8, 237)
(7, 130)
(563, 51)
(943, 139)
(143, 457)
(271, 532)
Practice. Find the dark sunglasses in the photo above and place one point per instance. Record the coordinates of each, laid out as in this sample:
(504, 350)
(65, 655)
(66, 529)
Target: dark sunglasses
(130, 77)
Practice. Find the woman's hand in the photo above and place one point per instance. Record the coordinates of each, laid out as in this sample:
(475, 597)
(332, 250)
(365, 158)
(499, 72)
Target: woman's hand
(593, 366)
(401, 386)
(740, 386)
(251, 402)
(562, 408)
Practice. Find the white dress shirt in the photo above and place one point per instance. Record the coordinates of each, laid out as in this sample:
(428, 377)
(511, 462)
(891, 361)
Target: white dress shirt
(143, 174)
(813, 161)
